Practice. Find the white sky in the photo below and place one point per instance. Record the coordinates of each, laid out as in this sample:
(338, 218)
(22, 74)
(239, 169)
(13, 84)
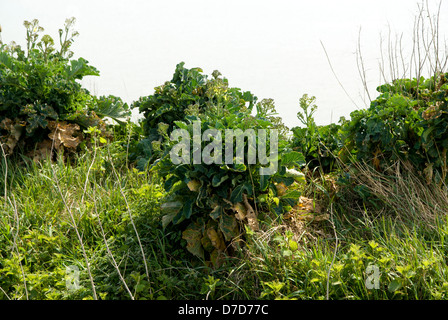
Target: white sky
(271, 48)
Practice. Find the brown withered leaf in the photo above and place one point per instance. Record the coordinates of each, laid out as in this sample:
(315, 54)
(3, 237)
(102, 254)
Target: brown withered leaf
(5, 124)
(309, 205)
(228, 226)
(15, 129)
(194, 185)
(193, 236)
(428, 173)
(63, 133)
(281, 189)
(216, 258)
(207, 243)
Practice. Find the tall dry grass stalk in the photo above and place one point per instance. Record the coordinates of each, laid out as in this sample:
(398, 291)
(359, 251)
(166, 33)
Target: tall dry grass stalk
(405, 193)
(428, 54)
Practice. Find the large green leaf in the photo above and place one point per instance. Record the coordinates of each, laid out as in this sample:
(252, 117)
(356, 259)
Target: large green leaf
(170, 210)
(394, 285)
(80, 68)
(112, 107)
(293, 158)
(187, 209)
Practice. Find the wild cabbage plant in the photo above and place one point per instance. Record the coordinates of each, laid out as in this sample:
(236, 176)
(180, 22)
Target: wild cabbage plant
(41, 97)
(407, 121)
(214, 193)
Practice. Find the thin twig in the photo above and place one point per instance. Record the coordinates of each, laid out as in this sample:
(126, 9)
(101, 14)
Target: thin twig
(88, 173)
(337, 79)
(361, 68)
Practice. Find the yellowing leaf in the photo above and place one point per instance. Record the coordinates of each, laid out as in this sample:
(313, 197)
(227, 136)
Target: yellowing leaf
(252, 220)
(240, 211)
(15, 129)
(216, 258)
(207, 243)
(216, 239)
(194, 185)
(193, 236)
(428, 172)
(281, 189)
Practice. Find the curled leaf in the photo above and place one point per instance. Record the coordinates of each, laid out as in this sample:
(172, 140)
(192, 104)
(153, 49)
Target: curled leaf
(63, 133)
(281, 189)
(15, 129)
(240, 210)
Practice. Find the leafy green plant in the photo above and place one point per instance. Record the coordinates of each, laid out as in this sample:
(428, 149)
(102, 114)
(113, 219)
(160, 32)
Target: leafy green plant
(407, 121)
(40, 96)
(189, 93)
(215, 198)
(319, 144)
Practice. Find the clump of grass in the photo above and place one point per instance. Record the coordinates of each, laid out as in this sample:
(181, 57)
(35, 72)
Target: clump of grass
(405, 194)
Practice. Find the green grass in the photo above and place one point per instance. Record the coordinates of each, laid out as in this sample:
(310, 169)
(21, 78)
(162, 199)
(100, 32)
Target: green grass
(57, 215)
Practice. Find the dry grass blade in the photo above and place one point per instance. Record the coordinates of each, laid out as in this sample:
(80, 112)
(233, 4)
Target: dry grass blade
(406, 194)
(335, 251)
(6, 171)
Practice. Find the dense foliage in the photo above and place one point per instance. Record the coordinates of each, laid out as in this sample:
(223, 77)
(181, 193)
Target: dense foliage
(189, 92)
(215, 196)
(41, 100)
(407, 121)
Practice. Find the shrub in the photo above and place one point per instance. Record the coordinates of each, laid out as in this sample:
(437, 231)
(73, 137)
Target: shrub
(189, 92)
(209, 199)
(407, 121)
(41, 100)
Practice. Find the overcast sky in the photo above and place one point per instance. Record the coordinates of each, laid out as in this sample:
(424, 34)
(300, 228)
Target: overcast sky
(271, 48)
